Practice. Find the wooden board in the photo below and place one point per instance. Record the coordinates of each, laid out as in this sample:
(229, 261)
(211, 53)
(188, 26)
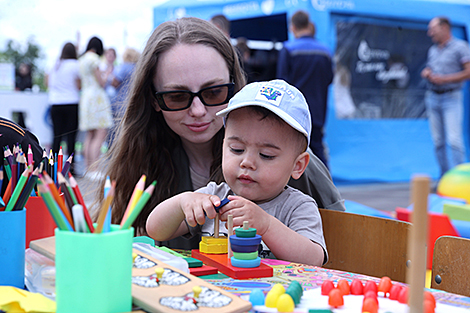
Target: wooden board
(156, 297)
(222, 263)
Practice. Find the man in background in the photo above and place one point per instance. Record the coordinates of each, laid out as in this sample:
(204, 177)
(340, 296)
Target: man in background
(448, 66)
(306, 64)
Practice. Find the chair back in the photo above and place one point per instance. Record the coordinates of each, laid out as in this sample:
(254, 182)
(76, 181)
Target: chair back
(366, 245)
(451, 265)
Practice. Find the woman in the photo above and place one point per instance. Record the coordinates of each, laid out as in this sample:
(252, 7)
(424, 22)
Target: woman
(64, 95)
(170, 131)
(95, 107)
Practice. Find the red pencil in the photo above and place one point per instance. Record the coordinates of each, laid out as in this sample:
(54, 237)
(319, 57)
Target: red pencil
(78, 194)
(60, 160)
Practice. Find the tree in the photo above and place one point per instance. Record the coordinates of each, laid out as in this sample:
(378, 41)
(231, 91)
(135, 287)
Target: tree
(31, 54)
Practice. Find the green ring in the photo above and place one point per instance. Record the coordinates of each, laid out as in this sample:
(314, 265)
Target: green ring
(245, 256)
(245, 233)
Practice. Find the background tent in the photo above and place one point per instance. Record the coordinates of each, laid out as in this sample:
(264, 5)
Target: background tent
(376, 128)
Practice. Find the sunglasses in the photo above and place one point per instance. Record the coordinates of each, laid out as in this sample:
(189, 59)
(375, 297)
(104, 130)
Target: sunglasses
(182, 99)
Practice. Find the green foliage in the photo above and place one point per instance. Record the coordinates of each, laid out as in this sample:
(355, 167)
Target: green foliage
(31, 54)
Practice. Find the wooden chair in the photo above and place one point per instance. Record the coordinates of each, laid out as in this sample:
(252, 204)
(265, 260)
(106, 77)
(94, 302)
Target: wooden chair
(451, 265)
(364, 244)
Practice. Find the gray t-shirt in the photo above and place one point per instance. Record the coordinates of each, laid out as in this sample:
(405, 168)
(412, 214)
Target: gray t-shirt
(448, 59)
(293, 208)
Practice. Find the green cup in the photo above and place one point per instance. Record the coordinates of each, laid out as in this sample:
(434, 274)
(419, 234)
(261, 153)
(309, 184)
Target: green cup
(94, 271)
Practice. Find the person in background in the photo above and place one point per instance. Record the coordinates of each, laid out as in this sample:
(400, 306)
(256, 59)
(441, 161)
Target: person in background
(222, 23)
(24, 78)
(306, 64)
(95, 117)
(267, 129)
(107, 68)
(170, 132)
(64, 84)
(23, 82)
(121, 81)
(447, 67)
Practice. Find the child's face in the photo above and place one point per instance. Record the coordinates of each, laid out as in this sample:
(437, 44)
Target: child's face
(258, 155)
(192, 67)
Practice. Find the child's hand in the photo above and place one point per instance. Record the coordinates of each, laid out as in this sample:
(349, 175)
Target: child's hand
(245, 210)
(196, 205)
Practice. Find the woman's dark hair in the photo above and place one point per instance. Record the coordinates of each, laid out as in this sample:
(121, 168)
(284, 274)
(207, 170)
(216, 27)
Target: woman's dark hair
(96, 44)
(68, 52)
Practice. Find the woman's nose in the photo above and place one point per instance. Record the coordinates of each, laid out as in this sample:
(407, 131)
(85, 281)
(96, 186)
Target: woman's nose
(197, 108)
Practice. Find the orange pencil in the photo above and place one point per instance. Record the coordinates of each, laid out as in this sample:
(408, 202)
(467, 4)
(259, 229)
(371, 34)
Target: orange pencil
(105, 208)
(7, 194)
(55, 194)
(78, 194)
(138, 190)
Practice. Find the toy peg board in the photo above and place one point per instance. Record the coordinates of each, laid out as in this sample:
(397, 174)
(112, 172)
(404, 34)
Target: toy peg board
(173, 292)
(222, 263)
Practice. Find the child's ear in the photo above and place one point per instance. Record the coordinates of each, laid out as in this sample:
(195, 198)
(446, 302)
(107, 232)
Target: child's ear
(300, 165)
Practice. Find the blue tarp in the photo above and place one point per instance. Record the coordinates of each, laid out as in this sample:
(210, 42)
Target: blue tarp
(361, 150)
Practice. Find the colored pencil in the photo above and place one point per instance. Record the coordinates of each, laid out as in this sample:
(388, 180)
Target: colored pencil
(107, 220)
(55, 194)
(78, 194)
(60, 160)
(55, 171)
(139, 206)
(63, 187)
(138, 190)
(53, 207)
(30, 155)
(105, 208)
(19, 187)
(66, 167)
(7, 194)
(27, 190)
(14, 178)
(79, 219)
(1, 180)
(8, 155)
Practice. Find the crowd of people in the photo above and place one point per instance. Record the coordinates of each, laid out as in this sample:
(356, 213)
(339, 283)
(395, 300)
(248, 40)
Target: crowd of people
(183, 114)
(87, 93)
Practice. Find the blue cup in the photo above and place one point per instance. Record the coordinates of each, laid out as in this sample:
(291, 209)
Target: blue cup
(12, 248)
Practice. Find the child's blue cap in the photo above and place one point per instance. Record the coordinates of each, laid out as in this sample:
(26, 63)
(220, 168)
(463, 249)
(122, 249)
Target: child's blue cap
(279, 97)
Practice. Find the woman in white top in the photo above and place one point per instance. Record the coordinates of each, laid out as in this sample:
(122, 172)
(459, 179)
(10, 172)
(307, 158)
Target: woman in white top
(64, 95)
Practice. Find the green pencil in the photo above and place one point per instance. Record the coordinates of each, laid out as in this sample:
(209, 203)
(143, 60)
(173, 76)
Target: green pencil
(19, 187)
(139, 205)
(51, 204)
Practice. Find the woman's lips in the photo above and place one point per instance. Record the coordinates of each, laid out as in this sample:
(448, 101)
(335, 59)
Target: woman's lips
(198, 127)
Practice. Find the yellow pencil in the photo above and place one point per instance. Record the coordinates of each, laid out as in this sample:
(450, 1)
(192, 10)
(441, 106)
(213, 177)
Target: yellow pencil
(138, 190)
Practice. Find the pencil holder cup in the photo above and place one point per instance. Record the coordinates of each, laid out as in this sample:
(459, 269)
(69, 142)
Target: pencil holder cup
(94, 271)
(12, 248)
(39, 222)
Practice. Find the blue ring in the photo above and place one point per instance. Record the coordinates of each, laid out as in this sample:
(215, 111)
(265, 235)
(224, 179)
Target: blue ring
(245, 263)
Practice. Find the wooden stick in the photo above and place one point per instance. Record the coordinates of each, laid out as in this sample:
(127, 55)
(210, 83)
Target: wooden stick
(216, 226)
(229, 233)
(416, 274)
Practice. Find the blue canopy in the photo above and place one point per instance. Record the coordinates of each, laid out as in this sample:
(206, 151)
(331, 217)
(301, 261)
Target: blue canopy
(380, 142)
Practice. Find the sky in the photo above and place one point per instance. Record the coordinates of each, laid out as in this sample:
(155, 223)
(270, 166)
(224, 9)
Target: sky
(52, 23)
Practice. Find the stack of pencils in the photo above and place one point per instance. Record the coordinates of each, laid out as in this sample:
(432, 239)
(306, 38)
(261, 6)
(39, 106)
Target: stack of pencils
(19, 174)
(70, 212)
